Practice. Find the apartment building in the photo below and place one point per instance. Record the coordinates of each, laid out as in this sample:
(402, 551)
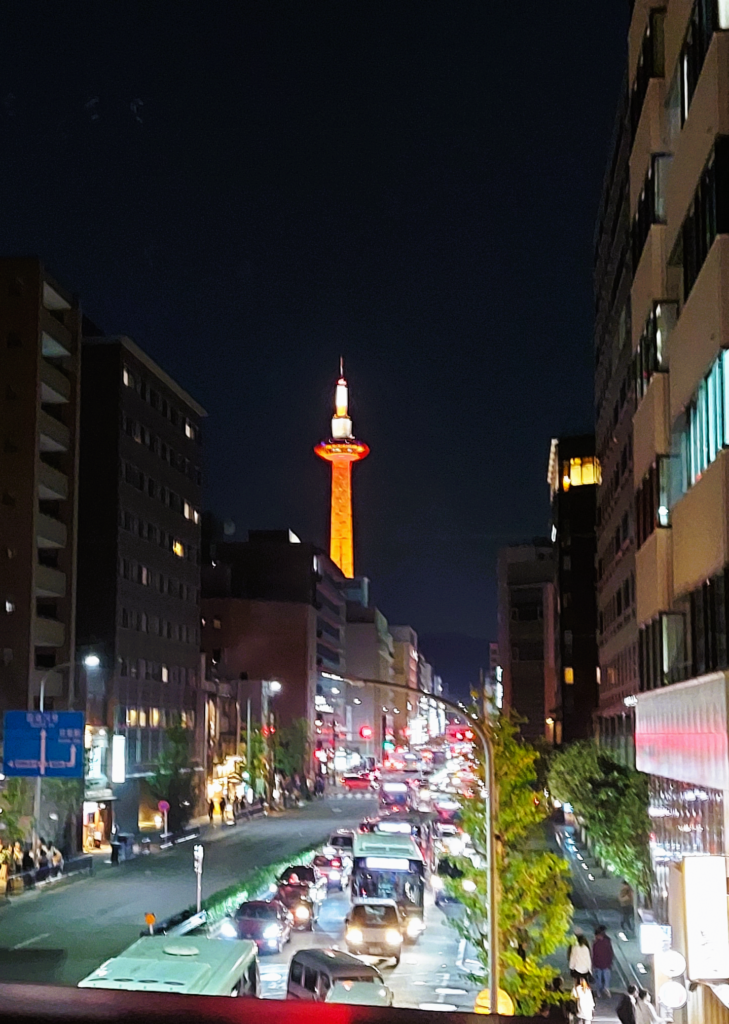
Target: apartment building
(678, 184)
(40, 342)
(574, 476)
(138, 563)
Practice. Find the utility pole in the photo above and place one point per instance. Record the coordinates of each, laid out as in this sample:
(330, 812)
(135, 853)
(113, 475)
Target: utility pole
(198, 852)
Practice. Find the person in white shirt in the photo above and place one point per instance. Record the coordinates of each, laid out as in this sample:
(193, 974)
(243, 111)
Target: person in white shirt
(645, 1011)
(580, 958)
(584, 1000)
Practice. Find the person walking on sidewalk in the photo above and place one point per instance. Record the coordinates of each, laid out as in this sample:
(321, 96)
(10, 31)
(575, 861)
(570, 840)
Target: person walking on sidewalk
(625, 1009)
(584, 1000)
(211, 810)
(625, 899)
(222, 804)
(602, 961)
(580, 959)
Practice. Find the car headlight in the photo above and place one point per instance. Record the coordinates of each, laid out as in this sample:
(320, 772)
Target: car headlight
(436, 882)
(355, 936)
(302, 913)
(228, 930)
(272, 887)
(415, 927)
(335, 875)
(393, 937)
(271, 931)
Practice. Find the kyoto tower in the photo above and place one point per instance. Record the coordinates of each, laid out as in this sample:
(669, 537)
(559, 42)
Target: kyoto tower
(342, 450)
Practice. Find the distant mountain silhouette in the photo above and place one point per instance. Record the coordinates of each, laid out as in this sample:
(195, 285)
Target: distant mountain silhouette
(457, 658)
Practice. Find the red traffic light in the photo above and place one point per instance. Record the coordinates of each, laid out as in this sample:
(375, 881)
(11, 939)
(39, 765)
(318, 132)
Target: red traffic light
(366, 732)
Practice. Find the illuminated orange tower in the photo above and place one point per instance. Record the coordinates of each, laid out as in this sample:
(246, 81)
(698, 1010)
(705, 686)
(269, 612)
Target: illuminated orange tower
(342, 450)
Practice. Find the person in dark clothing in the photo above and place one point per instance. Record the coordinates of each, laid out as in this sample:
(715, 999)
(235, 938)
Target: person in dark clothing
(211, 810)
(558, 1012)
(625, 1009)
(602, 961)
(28, 865)
(223, 805)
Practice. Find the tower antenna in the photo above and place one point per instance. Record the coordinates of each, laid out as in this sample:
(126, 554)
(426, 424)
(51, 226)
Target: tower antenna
(341, 366)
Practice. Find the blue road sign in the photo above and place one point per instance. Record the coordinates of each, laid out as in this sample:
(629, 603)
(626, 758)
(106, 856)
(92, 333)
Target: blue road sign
(45, 743)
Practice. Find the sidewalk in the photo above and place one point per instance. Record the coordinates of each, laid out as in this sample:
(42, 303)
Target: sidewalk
(595, 899)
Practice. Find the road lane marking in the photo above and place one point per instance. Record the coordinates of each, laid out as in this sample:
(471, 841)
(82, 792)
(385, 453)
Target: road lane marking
(27, 942)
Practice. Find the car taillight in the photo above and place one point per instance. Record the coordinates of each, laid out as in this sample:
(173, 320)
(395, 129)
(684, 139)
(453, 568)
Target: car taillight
(336, 863)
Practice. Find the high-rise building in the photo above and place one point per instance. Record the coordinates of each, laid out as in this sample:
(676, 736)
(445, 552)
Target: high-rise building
(139, 559)
(370, 655)
(40, 341)
(614, 407)
(573, 476)
(674, 180)
(341, 450)
(526, 648)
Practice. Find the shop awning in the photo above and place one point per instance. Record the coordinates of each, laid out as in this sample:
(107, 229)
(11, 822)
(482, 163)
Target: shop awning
(682, 731)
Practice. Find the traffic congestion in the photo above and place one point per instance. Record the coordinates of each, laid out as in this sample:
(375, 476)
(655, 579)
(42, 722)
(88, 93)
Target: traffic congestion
(365, 919)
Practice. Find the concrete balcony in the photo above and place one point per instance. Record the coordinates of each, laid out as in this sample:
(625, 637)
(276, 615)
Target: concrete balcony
(701, 529)
(651, 435)
(49, 582)
(48, 633)
(56, 340)
(55, 387)
(49, 532)
(653, 570)
(649, 282)
(52, 484)
(702, 329)
(53, 436)
(650, 138)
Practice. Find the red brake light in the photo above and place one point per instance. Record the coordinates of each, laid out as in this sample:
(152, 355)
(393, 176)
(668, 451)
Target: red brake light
(336, 863)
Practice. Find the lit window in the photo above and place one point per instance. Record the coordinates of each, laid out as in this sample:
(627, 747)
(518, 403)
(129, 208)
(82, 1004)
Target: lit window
(178, 548)
(9, 607)
(142, 718)
(580, 472)
(216, 623)
(183, 719)
(189, 430)
(154, 717)
(569, 676)
(187, 509)
(131, 717)
(165, 674)
(127, 378)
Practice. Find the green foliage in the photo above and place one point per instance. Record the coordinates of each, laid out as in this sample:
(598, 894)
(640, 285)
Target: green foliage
(256, 764)
(611, 801)
(15, 802)
(534, 884)
(291, 747)
(173, 779)
(65, 798)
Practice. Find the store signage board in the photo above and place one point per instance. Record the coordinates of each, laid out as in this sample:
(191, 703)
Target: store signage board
(707, 921)
(49, 744)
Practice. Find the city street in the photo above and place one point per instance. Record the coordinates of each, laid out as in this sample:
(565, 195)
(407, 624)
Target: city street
(430, 971)
(58, 935)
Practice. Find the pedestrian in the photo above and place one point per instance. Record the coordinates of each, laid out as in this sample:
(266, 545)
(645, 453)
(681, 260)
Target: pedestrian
(625, 899)
(645, 1011)
(43, 872)
(28, 868)
(580, 959)
(625, 1009)
(211, 810)
(558, 1012)
(223, 805)
(584, 1000)
(56, 861)
(602, 961)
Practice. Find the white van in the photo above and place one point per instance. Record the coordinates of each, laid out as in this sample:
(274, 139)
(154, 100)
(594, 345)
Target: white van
(191, 965)
(330, 976)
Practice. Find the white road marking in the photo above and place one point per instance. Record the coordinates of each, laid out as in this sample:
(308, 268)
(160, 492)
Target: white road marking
(28, 942)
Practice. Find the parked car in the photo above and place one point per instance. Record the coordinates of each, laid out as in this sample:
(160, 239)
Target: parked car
(335, 869)
(267, 922)
(375, 927)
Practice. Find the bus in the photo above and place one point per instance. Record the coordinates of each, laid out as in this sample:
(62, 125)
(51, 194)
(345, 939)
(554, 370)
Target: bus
(391, 867)
(419, 824)
(190, 965)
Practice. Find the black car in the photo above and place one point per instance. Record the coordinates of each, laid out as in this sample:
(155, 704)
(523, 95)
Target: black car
(267, 922)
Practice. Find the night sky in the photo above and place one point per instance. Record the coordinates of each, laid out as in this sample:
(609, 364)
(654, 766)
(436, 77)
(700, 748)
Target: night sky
(250, 189)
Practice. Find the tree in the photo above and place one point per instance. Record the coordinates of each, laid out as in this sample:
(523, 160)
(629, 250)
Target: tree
(291, 748)
(15, 803)
(256, 763)
(611, 801)
(173, 779)
(533, 882)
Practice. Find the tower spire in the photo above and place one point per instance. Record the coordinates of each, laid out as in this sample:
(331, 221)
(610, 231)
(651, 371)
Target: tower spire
(341, 367)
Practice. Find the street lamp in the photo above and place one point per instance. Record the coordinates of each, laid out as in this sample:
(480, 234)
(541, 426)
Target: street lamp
(491, 802)
(270, 687)
(89, 661)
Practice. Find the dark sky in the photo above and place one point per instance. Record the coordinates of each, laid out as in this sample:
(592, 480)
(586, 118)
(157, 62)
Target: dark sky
(250, 189)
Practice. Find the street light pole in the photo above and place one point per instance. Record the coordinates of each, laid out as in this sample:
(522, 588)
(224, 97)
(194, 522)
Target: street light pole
(491, 811)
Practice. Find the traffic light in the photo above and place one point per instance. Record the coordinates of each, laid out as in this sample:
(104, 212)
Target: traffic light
(366, 732)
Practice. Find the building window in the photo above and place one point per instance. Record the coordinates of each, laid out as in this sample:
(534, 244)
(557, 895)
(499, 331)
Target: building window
(190, 430)
(216, 622)
(569, 676)
(165, 674)
(127, 378)
(706, 428)
(704, 20)
(178, 549)
(651, 203)
(708, 216)
(154, 718)
(580, 472)
(652, 500)
(652, 353)
(650, 65)
(132, 717)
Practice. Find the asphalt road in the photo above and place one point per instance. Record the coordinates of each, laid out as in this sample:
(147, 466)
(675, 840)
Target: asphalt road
(428, 972)
(58, 935)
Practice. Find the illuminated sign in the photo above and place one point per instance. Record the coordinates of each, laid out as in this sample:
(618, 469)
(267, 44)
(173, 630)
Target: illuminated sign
(118, 759)
(397, 827)
(707, 922)
(388, 863)
(395, 787)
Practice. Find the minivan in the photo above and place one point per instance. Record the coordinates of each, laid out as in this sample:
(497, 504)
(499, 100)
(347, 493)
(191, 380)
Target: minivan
(330, 976)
